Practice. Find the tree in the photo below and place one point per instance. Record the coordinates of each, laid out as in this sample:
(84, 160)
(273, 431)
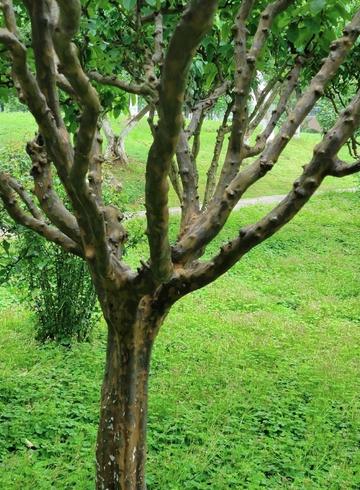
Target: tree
(115, 150)
(135, 303)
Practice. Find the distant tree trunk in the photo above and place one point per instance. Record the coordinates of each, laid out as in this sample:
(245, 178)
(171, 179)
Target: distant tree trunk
(112, 141)
(121, 444)
(134, 105)
(116, 151)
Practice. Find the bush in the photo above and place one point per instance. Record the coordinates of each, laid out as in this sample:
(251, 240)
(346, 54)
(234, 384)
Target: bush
(65, 299)
(12, 104)
(327, 116)
(57, 287)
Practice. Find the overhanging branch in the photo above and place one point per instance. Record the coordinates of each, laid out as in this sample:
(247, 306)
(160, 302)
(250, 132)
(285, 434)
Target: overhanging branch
(113, 81)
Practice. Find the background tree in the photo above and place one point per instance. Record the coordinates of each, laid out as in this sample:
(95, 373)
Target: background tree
(135, 303)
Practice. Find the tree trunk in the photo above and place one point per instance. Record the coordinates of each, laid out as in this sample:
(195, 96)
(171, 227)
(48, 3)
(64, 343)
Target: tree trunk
(129, 126)
(116, 151)
(121, 444)
(112, 140)
(121, 156)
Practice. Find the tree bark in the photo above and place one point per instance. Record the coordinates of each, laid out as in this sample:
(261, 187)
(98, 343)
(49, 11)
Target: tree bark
(112, 140)
(121, 443)
(116, 150)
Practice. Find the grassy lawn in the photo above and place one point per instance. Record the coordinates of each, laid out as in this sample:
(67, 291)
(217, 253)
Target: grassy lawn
(15, 127)
(255, 380)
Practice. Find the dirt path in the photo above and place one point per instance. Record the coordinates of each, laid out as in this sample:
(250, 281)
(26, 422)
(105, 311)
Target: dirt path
(244, 203)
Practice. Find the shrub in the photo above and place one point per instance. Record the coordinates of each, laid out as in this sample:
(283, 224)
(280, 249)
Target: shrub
(64, 297)
(57, 287)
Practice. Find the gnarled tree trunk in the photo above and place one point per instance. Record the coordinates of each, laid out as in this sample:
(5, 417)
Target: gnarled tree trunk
(116, 150)
(121, 443)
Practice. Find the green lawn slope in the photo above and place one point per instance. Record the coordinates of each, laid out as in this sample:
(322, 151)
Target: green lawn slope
(255, 380)
(19, 127)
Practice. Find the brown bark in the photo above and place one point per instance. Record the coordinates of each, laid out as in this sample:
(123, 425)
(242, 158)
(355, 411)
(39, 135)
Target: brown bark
(193, 26)
(245, 62)
(175, 180)
(261, 113)
(207, 226)
(287, 90)
(260, 100)
(48, 199)
(116, 151)
(189, 180)
(121, 445)
(211, 174)
(113, 81)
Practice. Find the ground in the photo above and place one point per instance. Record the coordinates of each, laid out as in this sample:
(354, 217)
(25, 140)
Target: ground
(254, 384)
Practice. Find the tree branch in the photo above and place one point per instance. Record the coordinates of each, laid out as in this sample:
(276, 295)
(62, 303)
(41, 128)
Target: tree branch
(187, 159)
(113, 81)
(42, 23)
(35, 100)
(211, 174)
(9, 15)
(189, 179)
(288, 89)
(259, 116)
(321, 165)
(245, 62)
(8, 187)
(25, 197)
(158, 56)
(204, 106)
(209, 224)
(269, 88)
(49, 201)
(68, 25)
(342, 169)
(175, 180)
(195, 22)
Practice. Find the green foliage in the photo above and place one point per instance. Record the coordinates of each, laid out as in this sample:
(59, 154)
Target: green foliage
(108, 43)
(313, 25)
(326, 115)
(63, 295)
(12, 104)
(254, 380)
(57, 287)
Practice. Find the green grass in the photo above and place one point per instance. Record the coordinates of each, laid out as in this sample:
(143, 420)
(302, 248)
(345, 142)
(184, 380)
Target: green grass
(15, 127)
(278, 181)
(255, 380)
